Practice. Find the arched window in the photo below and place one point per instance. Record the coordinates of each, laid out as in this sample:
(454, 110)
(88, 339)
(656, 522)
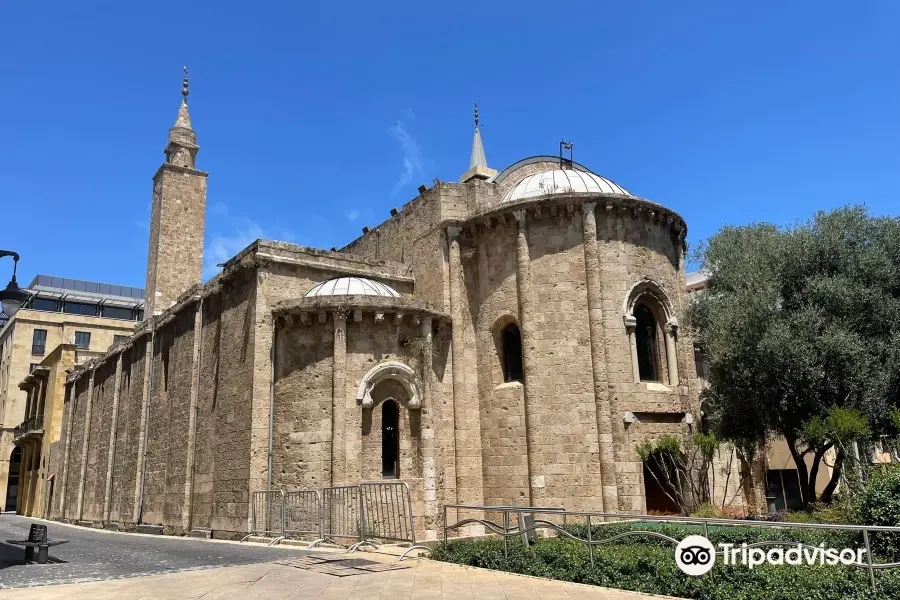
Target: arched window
(645, 334)
(390, 439)
(652, 325)
(512, 353)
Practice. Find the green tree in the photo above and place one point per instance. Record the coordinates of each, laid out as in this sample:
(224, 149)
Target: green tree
(801, 330)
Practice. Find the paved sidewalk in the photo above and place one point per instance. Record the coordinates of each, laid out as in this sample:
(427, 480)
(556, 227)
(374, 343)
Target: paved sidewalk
(424, 580)
(97, 555)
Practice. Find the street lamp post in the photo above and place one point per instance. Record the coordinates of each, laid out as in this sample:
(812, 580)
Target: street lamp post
(13, 296)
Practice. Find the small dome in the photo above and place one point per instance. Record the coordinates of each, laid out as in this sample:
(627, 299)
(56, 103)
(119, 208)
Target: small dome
(352, 286)
(562, 181)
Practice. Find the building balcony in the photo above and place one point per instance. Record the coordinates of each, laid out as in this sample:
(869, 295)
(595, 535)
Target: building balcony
(32, 428)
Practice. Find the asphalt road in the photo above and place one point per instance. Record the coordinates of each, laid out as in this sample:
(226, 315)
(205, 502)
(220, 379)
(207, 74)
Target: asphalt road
(93, 555)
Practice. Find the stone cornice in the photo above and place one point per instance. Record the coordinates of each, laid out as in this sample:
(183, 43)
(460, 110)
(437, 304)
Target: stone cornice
(344, 306)
(342, 270)
(177, 169)
(555, 205)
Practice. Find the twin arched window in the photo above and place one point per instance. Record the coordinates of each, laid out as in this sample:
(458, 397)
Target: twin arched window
(651, 324)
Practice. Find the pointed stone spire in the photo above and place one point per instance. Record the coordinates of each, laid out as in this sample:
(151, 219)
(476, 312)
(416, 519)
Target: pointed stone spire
(184, 116)
(182, 147)
(478, 159)
(478, 168)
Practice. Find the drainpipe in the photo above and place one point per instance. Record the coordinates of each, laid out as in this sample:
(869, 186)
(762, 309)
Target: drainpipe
(140, 515)
(272, 399)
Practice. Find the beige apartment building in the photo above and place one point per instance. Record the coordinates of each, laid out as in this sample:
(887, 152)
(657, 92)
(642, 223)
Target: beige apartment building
(64, 323)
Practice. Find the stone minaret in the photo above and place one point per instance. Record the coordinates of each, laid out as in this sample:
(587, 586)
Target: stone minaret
(175, 261)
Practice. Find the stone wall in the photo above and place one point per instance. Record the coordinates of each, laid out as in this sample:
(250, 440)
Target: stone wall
(413, 237)
(303, 407)
(98, 447)
(167, 422)
(77, 414)
(312, 450)
(128, 432)
(222, 459)
(54, 469)
(633, 246)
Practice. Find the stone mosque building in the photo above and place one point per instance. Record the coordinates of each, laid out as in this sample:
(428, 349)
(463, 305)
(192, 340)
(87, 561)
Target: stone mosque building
(508, 339)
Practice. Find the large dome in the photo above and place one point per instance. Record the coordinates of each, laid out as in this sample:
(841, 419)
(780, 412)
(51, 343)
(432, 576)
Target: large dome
(562, 181)
(352, 286)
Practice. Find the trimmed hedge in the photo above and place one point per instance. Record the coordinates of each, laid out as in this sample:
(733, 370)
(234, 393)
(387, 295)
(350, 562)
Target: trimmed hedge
(650, 568)
(734, 534)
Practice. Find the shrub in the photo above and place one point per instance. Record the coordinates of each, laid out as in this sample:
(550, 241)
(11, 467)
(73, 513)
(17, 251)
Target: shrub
(708, 510)
(651, 569)
(879, 504)
(734, 534)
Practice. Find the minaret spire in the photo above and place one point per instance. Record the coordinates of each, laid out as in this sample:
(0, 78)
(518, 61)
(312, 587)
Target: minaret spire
(177, 217)
(478, 168)
(477, 159)
(184, 116)
(182, 147)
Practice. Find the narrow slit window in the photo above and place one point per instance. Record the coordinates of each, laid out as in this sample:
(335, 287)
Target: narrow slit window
(390, 440)
(512, 353)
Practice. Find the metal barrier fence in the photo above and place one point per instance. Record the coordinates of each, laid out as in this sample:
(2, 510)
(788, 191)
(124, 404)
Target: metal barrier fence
(593, 519)
(355, 515)
(341, 513)
(387, 512)
(266, 514)
(302, 514)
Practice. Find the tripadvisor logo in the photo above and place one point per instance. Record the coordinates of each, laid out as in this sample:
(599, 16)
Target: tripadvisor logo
(696, 555)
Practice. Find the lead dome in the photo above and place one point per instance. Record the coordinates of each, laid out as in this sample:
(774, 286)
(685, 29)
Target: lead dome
(562, 181)
(352, 286)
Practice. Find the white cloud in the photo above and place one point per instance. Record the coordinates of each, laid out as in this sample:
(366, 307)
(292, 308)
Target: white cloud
(351, 215)
(412, 156)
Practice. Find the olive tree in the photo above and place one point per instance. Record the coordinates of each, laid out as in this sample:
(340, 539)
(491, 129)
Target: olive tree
(800, 327)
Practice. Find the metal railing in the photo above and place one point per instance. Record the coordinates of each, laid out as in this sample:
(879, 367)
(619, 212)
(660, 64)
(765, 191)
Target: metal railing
(354, 515)
(267, 515)
(302, 514)
(340, 513)
(387, 512)
(33, 424)
(592, 519)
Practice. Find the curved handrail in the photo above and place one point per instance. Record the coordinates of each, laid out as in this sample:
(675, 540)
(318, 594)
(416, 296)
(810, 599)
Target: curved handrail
(542, 524)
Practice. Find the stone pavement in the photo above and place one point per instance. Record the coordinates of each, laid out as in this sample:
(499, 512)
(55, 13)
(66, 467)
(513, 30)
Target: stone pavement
(98, 564)
(96, 554)
(424, 580)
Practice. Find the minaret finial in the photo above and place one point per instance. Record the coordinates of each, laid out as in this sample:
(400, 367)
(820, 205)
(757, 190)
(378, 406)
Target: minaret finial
(476, 114)
(184, 85)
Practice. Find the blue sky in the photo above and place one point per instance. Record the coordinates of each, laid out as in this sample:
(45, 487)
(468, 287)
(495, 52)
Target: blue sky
(314, 119)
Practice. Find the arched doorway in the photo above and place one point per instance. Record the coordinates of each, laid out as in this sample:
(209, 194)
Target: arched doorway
(390, 439)
(12, 480)
(660, 479)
